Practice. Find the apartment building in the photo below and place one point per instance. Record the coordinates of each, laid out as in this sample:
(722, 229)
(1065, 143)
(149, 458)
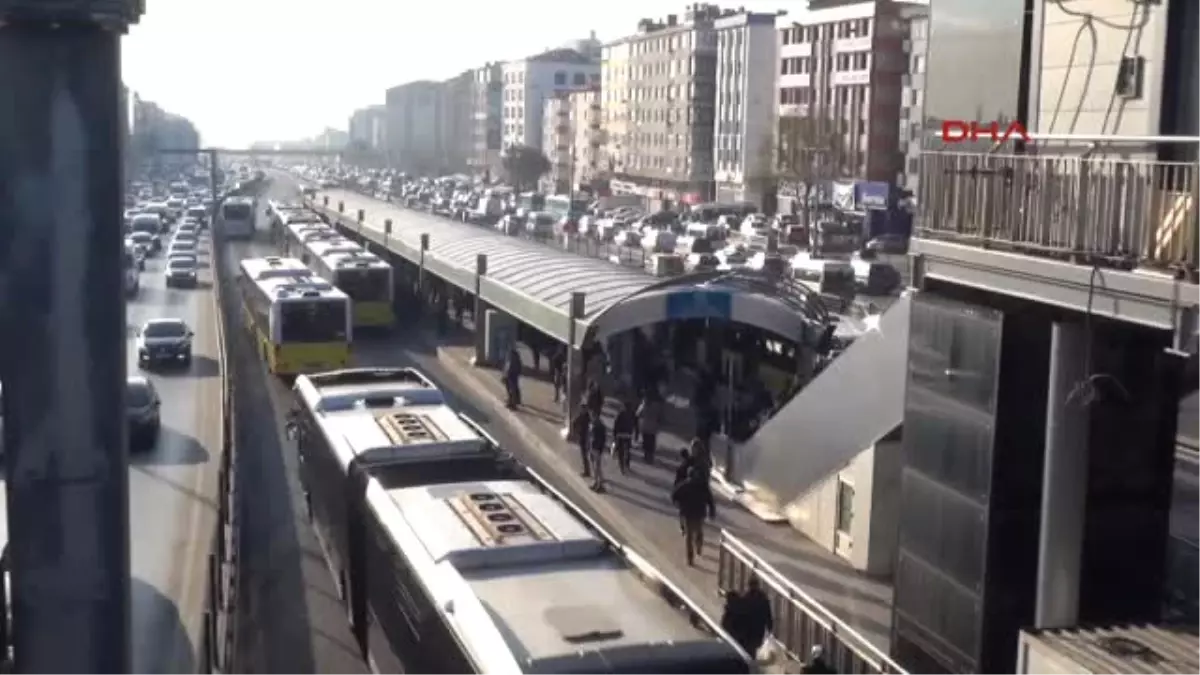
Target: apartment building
(413, 127)
(487, 118)
(913, 128)
(367, 126)
(660, 86)
(556, 143)
(456, 97)
(590, 167)
(746, 109)
(841, 65)
(529, 82)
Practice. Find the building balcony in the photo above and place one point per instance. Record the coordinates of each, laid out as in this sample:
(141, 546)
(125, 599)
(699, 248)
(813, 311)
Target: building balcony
(1112, 235)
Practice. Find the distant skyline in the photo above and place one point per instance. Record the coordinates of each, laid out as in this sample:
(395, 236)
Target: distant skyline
(251, 70)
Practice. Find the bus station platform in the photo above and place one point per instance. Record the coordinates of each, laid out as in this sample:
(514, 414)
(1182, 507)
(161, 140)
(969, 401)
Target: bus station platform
(534, 283)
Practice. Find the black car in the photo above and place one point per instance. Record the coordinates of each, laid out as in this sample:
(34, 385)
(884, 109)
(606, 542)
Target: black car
(142, 410)
(164, 341)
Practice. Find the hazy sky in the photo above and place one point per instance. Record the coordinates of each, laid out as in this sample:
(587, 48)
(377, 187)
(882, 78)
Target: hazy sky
(248, 70)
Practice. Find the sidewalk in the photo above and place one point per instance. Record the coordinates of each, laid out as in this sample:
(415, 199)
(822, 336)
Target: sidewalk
(641, 503)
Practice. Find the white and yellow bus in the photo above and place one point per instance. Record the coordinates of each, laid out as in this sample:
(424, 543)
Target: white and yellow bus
(300, 323)
(297, 236)
(363, 276)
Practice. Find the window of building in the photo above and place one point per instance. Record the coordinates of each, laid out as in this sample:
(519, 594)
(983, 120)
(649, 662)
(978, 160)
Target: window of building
(560, 78)
(845, 506)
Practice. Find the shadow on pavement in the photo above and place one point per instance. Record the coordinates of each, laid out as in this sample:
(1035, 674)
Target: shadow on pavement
(160, 640)
(204, 366)
(174, 448)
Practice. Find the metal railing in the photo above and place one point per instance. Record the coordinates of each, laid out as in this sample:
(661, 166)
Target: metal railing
(219, 633)
(1183, 558)
(800, 621)
(1088, 200)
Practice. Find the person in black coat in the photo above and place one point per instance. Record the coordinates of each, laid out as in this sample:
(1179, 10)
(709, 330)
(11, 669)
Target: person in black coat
(581, 432)
(597, 445)
(753, 618)
(694, 499)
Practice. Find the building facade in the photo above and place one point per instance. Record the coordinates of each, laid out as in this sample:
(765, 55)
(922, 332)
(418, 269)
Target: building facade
(557, 144)
(746, 108)
(414, 128)
(912, 99)
(367, 127)
(841, 67)
(529, 82)
(589, 166)
(487, 118)
(661, 90)
(455, 105)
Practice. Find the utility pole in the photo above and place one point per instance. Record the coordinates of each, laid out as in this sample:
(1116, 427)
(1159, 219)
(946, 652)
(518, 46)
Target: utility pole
(62, 359)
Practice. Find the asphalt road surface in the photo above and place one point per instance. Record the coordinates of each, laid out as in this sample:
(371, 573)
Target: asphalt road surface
(173, 486)
(290, 619)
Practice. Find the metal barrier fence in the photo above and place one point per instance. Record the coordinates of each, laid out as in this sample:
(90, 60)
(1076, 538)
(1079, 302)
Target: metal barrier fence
(218, 639)
(1182, 588)
(800, 621)
(1114, 210)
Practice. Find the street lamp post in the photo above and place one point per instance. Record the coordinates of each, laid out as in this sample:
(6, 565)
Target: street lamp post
(63, 356)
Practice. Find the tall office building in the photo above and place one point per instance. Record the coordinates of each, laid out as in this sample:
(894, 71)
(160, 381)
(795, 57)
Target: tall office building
(659, 97)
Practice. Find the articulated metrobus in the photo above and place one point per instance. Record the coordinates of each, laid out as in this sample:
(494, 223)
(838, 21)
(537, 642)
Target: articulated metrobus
(451, 557)
(296, 237)
(237, 218)
(301, 323)
(274, 267)
(361, 275)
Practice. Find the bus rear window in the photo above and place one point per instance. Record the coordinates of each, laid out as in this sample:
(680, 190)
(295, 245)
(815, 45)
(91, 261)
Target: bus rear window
(313, 321)
(363, 285)
(236, 211)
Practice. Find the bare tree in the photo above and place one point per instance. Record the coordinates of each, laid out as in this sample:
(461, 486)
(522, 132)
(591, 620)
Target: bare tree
(524, 165)
(808, 150)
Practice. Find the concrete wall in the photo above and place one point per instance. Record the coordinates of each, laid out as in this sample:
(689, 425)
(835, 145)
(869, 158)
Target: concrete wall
(870, 544)
(1089, 103)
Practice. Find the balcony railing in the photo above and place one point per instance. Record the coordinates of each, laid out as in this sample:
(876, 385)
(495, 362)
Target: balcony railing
(1119, 211)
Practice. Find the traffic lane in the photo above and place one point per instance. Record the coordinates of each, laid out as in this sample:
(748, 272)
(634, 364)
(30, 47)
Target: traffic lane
(172, 486)
(290, 619)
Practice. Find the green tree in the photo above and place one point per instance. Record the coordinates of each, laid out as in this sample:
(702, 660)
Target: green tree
(523, 165)
(808, 150)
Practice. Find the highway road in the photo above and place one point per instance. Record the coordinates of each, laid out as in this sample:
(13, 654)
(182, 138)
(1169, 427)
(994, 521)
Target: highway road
(173, 488)
(290, 619)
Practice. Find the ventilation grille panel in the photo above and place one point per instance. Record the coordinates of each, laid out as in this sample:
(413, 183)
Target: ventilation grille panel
(408, 429)
(497, 520)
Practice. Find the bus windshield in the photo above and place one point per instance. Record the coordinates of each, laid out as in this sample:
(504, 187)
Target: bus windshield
(363, 285)
(236, 211)
(313, 321)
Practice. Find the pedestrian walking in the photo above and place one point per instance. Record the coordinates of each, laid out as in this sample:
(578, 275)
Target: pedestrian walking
(558, 372)
(649, 418)
(581, 432)
(594, 399)
(597, 444)
(681, 474)
(693, 497)
(512, 378)
(753, 619)
(623, 427)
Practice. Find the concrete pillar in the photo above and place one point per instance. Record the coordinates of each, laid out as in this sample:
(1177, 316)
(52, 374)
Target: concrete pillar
(65, 444)
(1064, 482)
(477, 314)
(575, 365)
